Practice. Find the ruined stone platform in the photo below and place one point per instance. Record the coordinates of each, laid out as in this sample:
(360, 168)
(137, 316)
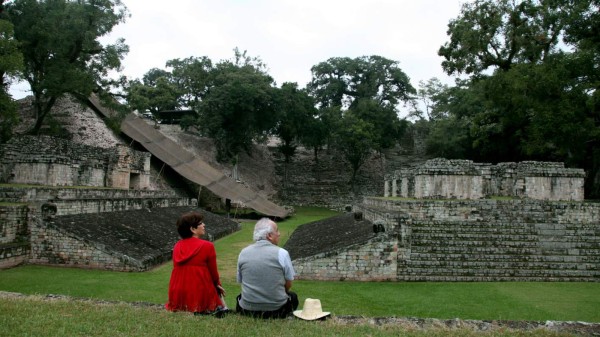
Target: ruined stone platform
(133, 240)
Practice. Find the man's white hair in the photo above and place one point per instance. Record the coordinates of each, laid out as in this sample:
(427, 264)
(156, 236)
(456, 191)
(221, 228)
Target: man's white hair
(262, 228)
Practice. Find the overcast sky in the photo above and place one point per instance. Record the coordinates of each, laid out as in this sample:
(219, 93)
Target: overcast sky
(289, 36)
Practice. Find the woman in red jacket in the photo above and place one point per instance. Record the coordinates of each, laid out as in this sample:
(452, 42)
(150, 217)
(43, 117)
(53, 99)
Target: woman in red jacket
(194, 284)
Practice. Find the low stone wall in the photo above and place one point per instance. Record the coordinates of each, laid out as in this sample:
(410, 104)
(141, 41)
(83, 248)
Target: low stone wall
(133, 240)
(14, 254)
(375, 260)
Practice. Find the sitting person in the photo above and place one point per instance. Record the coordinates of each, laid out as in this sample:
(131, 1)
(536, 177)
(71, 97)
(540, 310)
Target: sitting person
(195, 285)
(266, 273)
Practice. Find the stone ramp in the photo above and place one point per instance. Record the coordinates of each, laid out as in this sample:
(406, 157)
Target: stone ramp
(133, 240)
(328, 235)
(190, 166)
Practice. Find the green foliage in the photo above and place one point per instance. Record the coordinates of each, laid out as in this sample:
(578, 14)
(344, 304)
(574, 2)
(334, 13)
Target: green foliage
(296, 110)
(500, 33)
(315, 135)
(192, 76)
(154, 94)
(11, 61)
(8, 116)
(60, 47)
(429, 94)
(187, 122)
(340, 81)
(387, 128)
(238, 108)
(526, 99)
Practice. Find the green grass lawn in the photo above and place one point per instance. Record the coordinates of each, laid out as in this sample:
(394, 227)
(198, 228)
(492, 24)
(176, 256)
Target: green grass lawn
(564, 301)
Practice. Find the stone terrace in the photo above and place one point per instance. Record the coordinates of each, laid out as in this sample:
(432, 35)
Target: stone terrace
(132, 240)
(492, 240)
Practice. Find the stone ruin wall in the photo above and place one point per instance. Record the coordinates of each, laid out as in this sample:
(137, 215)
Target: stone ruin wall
(491, 240)
(23, 240)
(462, 179)
(51, 246)
(468, 241)
(56, 162)
(14, 235)
(375, 260)
(449, 232)
(53, 163)
(325, 183)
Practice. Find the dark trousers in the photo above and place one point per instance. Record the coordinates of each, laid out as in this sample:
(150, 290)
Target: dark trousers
(283, 312)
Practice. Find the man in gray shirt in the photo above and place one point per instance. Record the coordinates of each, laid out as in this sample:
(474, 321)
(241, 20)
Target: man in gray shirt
(266, 273)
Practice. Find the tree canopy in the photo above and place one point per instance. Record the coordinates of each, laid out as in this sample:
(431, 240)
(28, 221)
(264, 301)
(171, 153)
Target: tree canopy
(533, 87)
(238, 107)
(296, 110)
(358, 101)
(340, 81)
(11, 61)
(61, 51)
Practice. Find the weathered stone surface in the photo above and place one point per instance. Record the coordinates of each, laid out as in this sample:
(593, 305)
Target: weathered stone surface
(462, 179)
(52, 161)
(328, 235)
(131, 240)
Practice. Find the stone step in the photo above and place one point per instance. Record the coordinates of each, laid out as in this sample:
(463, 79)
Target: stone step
(510, 263)
(522, 271)
(464, 232)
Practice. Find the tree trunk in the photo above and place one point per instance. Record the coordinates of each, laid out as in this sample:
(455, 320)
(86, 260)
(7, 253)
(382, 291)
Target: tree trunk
(41, 111)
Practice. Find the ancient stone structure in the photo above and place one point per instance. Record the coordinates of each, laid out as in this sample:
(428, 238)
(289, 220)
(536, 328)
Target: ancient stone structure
(133, 240)
(462, 179)
(26, 235)
(449, 232)
(14, 234)
(25, 214)
(56, 162)
(463, 240)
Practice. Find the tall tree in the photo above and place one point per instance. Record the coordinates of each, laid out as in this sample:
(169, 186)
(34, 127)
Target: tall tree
(354, 138)
(366, 91)
(238, 107)
(533, 90)
(584, 32)
(296, 109)
(11, 61)
(497, 34)
(427, 95)
(61, 50)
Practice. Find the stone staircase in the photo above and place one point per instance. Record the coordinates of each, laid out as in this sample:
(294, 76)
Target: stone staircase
(493, 240)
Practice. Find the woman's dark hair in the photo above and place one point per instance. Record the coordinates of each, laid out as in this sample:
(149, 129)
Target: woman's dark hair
(188, 221)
